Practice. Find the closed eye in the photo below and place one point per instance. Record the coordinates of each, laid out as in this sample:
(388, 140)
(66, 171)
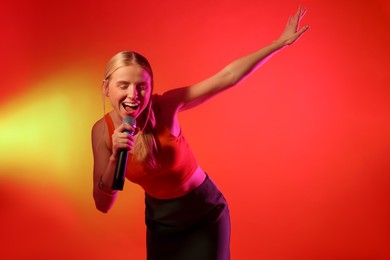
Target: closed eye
(141, 86)
(123, 84)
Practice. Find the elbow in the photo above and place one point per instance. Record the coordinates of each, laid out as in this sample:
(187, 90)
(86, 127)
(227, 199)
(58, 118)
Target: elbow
(103, 202)
(102, 209)
(230, 78)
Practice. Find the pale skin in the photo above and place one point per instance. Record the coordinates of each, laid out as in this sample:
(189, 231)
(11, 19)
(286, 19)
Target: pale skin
(132, 85)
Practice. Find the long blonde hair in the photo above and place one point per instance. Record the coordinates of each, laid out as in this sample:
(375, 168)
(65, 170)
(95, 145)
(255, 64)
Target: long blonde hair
(145, 147)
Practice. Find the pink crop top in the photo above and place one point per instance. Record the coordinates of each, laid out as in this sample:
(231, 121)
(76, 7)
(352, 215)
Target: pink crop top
(177, 162)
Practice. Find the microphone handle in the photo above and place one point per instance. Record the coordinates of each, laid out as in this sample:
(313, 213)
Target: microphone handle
(120, 171)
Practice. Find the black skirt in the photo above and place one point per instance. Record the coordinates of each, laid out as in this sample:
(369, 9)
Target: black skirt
(195, 226)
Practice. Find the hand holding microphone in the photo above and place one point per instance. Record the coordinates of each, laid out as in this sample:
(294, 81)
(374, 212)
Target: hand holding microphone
(120, 171)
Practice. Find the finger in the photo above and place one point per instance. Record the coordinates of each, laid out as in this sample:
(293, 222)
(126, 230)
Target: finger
(120, 129)
(303, 13)
(129, 128)
(123, 141)
(297, 17)
(125, 127)
(120, 138)
(298, 13)
(289, 20)
(122, 145)
(302, 30)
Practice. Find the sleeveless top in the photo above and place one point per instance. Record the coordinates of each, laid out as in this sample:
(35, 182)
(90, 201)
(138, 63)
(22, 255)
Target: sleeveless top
(176, 162)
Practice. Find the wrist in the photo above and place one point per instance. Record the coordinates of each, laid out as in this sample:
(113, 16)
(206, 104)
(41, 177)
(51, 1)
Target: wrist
(105, 188)
(279, 44)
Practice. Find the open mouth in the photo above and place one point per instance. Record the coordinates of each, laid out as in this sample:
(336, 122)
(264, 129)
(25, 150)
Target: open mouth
(130, 106)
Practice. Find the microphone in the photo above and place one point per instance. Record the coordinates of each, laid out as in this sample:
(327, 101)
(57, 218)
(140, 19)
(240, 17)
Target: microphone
(120, 170)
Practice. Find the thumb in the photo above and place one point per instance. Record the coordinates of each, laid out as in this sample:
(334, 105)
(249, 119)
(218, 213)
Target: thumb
(302, 30)
(299, 33)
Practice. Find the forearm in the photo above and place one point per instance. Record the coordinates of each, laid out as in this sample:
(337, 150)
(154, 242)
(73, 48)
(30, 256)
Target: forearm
(241, 68)
(103, 194)
(244, 66)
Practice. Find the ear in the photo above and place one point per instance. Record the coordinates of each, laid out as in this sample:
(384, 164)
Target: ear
(105, 88)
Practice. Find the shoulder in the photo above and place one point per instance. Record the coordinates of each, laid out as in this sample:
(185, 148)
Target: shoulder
(98, 126)
(99, 133)
(165, 112)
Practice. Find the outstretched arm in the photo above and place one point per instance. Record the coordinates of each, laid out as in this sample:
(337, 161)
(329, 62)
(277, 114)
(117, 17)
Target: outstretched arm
(235, 72)
(241, 68)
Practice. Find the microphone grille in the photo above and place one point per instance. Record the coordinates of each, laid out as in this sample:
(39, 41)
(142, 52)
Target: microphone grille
(129, 120)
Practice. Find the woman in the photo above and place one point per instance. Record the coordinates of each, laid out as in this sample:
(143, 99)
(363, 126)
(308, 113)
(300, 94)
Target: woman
(186, 215)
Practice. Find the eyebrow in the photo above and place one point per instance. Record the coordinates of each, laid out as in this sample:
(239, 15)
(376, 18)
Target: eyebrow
(122, 82)
(127, 82)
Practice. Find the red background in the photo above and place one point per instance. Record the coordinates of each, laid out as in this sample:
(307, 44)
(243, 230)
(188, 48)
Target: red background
(300, 149)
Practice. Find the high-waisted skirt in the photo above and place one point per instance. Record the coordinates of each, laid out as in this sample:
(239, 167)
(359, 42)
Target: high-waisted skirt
(195, 226)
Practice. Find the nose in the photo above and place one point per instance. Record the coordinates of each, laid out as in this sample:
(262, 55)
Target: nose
(132, 91)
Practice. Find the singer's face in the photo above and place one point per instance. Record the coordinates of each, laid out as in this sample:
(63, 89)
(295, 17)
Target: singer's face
(129, 89)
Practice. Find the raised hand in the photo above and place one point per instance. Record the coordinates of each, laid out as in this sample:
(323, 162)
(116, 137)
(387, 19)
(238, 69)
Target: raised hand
(292, 32)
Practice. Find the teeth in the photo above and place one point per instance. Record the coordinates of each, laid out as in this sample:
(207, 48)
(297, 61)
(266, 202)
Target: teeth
(130, 104)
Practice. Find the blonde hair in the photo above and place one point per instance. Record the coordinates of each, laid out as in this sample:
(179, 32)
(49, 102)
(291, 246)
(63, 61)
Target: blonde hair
(145, 146)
